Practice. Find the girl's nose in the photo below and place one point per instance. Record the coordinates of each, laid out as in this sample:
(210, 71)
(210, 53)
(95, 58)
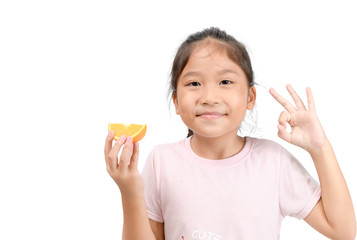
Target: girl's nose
(210, 96)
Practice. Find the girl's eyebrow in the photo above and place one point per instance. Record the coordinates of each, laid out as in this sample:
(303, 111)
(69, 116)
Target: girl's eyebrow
(224, 71)
(190, 74)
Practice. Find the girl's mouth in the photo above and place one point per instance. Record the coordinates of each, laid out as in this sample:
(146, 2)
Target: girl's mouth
(211, 115)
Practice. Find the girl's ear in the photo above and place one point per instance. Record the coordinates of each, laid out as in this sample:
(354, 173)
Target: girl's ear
(175, 100)
(252, 94)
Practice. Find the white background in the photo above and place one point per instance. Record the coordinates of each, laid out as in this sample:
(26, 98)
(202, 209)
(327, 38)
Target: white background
(68, 68)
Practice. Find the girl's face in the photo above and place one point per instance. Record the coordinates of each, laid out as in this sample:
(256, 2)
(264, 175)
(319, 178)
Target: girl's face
(212, 93)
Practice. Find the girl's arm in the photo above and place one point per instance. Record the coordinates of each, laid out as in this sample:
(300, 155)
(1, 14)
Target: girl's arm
(136, 221)
(131, 185)
(335, 206)
(158, 229)
(333, 215)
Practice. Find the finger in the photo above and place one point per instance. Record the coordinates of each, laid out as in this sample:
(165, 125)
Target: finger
(135, 157)
(299, 103)
(283, 134)
(108, 143)
(126, 154)
(284, 118)
(113, 154)
(285, 103)
(310, 100)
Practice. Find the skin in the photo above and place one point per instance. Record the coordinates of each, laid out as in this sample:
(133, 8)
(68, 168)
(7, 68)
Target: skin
(212, 98)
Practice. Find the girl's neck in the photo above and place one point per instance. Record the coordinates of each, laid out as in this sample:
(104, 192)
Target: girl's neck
(217, 148)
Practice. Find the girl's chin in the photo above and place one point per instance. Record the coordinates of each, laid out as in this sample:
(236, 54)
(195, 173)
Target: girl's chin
(212, 135)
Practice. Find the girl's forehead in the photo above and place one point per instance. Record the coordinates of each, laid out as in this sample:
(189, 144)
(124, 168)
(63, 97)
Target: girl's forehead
(213, 53)
(206, 49)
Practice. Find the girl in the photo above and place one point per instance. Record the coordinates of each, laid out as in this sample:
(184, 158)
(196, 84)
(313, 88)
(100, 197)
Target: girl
(215, 184)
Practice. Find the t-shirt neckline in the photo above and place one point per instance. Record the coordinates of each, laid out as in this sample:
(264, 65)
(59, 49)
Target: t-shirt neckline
(219, 163)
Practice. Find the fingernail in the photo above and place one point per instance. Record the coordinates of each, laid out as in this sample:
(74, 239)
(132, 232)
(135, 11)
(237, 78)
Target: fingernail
(122, 138)
(110, 132)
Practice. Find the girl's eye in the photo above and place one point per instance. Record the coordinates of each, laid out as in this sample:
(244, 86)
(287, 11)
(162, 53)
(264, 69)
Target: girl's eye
(195, 84)
(225, 82)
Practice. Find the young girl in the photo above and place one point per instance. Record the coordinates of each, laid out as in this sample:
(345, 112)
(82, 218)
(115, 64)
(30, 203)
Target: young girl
(216, 185)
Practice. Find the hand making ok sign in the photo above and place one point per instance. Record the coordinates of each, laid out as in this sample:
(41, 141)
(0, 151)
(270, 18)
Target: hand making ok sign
(306, 129)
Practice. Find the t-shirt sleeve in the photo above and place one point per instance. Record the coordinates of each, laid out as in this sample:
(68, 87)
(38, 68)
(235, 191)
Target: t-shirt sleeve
(298, 190)
(151, 176)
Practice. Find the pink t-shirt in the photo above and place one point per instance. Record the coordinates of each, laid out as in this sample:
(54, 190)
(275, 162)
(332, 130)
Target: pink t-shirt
(242, 197)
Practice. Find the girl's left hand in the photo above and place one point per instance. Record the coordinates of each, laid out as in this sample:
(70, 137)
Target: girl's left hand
(306, 130)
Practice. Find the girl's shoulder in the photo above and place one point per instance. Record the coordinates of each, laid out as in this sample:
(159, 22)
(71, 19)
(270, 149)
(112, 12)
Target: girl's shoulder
(263, 144)
(176, 146)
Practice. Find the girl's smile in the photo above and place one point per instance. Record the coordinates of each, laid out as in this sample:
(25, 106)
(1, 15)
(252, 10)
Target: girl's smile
(211, 115)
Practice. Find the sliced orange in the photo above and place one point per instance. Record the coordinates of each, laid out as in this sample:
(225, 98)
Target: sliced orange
(134, 130)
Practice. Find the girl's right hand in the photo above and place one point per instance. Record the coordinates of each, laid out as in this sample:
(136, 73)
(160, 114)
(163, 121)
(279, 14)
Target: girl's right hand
(125, 171)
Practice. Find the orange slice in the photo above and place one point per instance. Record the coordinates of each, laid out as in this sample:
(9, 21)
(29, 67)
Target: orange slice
(134, 130)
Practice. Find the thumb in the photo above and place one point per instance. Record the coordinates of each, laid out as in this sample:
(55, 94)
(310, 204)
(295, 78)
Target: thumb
(283, 134)
(284, 118)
